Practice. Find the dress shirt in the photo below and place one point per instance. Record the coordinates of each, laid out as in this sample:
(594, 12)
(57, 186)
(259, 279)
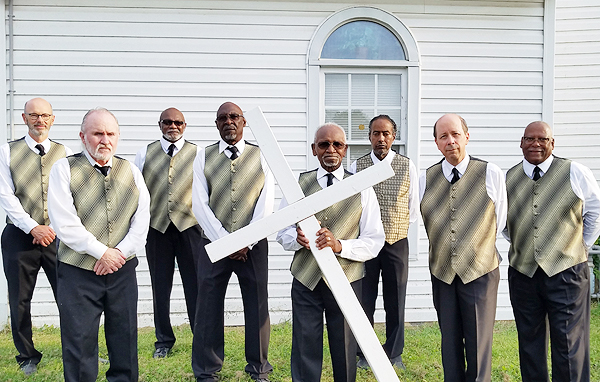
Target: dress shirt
(371, 237)
(585, 187)
(68, 226)
(212, 227)
(495, 186)
(413, 191)
(8, 200)
(140, 157)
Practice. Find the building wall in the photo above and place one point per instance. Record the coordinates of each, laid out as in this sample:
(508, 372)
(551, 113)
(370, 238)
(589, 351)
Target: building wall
(481, 59)
(577, 82)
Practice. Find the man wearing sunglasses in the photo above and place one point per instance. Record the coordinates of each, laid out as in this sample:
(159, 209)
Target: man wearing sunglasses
(463, 204)
(28, 241)
(553, 220)
(353, 230)
(398, 199)
(174, 232)
(232, 188)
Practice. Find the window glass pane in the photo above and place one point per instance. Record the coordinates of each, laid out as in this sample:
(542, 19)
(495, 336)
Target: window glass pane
(388, 92)
(337, 116)
(336, 89)
(394, 114)
(355, 152)
(360, 123)
(363, 89)
(363, 40)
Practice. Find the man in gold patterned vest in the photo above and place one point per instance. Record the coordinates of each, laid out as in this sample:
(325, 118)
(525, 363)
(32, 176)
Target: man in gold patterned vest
(28, 241)
(553, 220)
(398, 199)
(99, 206)
(174, 232)
(232, 188)
(353, 230)
(463, 204)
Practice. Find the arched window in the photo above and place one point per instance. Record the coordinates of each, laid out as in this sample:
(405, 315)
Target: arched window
(364, 62)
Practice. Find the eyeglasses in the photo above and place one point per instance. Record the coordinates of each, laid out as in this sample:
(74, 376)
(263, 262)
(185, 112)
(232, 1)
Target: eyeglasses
(233, 116)
(336, 145)
(542, 140)
(34, 116)
(169, 122)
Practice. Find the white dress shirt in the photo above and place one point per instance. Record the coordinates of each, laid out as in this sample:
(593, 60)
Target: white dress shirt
(413, 191)
(71, 230)
(495, 186)
(585, 187)
(140, 157)
(371, 235)
(8, 201)
(212, 227)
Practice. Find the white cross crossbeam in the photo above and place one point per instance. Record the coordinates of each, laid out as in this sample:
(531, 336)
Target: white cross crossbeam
(326, 259)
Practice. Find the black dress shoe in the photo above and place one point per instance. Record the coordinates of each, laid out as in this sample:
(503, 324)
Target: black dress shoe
(259, 379)
(362, 363)
(398, 362)
(28, 368)
(161, 352)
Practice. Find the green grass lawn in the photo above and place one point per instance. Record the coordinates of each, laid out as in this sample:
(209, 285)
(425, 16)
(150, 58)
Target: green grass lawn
(421, 355)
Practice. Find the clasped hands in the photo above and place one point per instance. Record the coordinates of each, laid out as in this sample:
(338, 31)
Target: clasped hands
(111, 261)
(324, 239)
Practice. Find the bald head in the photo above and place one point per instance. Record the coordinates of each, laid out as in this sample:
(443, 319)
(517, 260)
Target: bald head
(537, 142)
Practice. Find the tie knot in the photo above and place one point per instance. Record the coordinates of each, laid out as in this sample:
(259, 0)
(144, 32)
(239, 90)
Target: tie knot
(455, 176)
(171, 150)
(40, 149)
(536, 173)
(329, 179)
(103, 169)
(234, 152)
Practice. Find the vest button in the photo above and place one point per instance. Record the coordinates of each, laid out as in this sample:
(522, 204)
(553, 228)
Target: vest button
(234, 209)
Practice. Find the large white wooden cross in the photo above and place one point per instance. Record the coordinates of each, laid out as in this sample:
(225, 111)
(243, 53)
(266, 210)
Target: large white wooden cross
(300, 210)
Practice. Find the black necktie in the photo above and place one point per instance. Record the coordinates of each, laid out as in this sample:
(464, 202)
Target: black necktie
(234, 152)
(536, 173)
(103, 169)
(41, 149)
(455, 178)
(171, 150)
(329, 179)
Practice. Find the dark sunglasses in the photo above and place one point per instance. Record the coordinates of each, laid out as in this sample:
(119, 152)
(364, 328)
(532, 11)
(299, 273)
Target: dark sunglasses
(233, 116)
(325, 145)
(169, 122)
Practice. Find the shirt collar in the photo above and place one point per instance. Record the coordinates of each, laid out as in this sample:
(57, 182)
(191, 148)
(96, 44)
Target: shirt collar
(461, 167)
(32, 143)
(93, 161)
(388, 158)
(544, 166)
(338, 174)
(165, 144)
(240, 146)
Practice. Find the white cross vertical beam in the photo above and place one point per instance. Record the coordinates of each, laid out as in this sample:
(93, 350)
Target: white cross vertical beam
(326, 259)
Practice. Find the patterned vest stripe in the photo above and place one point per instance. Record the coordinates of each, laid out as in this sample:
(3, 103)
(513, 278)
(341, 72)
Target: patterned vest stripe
(30, 173)
(544, 220)
(169, 181)
(234, 186)
(105, 205)
(460, 221)
(343, 220)
(392, 195)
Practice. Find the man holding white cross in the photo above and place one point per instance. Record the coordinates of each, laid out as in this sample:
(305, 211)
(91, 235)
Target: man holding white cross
(232, 188)
(353, 229)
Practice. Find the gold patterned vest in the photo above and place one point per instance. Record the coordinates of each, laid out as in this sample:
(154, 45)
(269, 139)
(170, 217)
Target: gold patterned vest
(544, 220)
(460, 220)
(169, 181)
(392, 195)
(343, 220)
(105, 205)
(234, 186)
(30, 172)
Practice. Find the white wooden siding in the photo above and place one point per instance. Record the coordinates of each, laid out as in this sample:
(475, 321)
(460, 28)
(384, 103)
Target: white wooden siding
(577, 82)
(482, 59)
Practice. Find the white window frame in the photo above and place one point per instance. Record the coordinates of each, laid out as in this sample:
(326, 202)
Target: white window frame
(317, 67)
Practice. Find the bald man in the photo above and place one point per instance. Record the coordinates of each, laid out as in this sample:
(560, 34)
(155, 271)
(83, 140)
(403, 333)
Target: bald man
(174, 232)
(28, 241)
(553, 220)
(463, 204)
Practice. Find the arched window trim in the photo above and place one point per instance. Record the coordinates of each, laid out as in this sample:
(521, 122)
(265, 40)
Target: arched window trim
(316, 90)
